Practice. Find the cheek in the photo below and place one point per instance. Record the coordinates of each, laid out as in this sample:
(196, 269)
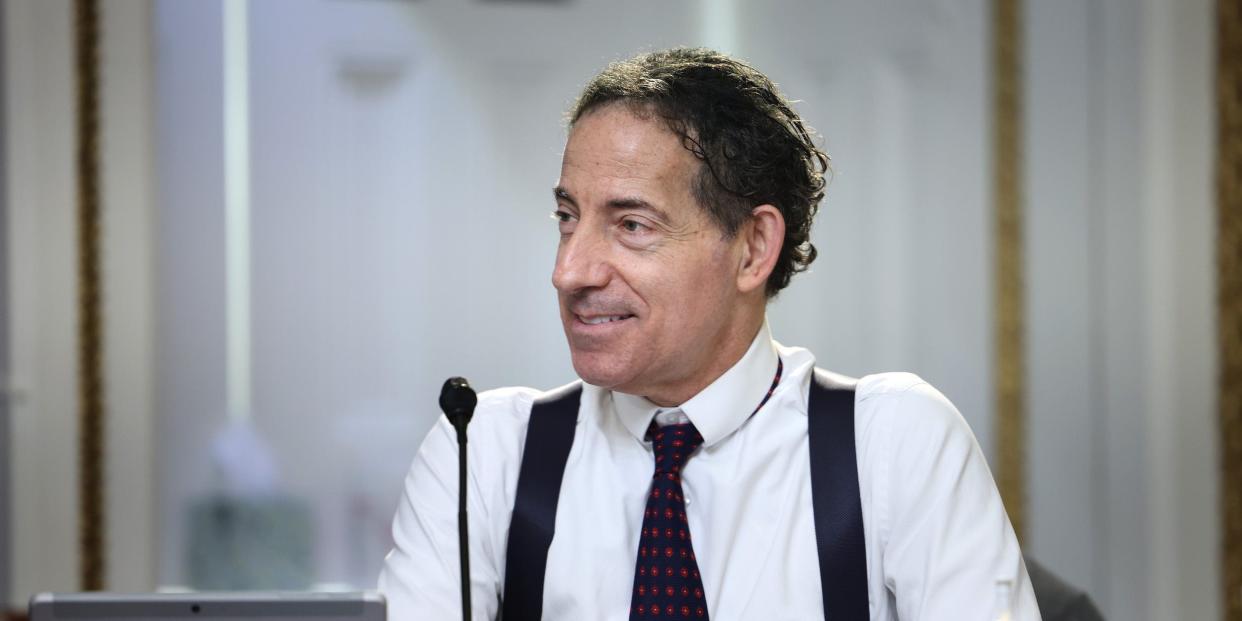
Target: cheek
(704, 288)
(684, 284)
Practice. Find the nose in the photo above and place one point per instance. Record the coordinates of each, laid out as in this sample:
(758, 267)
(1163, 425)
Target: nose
(581, 261)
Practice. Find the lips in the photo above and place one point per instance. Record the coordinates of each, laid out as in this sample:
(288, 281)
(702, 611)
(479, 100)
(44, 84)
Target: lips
(601, 319)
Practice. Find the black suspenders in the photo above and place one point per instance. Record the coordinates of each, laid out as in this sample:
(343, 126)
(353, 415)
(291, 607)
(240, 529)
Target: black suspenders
(549, 437)
(834, 496)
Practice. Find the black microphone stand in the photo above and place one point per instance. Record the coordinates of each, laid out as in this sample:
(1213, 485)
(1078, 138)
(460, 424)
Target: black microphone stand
(457, 400)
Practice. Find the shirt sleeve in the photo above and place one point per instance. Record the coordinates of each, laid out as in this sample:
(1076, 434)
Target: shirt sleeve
(421, 577)
(951, 553)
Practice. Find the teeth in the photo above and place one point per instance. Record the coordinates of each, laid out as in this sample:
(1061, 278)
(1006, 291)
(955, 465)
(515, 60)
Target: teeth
(598, 320)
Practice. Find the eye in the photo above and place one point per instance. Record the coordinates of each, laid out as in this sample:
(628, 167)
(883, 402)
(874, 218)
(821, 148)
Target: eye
(634, 226)
(565, 221)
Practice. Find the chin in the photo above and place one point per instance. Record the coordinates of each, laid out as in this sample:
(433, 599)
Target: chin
(602, 370)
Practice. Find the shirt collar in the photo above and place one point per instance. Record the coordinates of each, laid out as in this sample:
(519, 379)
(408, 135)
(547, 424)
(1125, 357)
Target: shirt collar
(722, 407)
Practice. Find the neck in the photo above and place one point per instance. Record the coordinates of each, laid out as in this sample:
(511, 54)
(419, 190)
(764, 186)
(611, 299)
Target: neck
(729, 349)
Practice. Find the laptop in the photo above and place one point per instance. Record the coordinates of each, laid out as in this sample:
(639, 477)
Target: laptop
(219, 606)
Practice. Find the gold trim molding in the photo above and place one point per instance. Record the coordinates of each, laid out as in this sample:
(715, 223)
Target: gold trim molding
(91, 524)
(1009, 296)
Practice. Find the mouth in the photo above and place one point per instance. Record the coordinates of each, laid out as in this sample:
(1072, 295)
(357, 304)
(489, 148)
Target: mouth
(597, 320)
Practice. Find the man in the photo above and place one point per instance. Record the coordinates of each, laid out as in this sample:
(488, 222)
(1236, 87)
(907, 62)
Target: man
(685, 202)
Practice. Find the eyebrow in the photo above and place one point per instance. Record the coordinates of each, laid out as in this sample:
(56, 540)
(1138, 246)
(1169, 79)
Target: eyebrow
(562, 194)
(626, 202)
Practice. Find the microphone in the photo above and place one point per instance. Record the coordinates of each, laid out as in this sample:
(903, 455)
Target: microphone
(457, 400)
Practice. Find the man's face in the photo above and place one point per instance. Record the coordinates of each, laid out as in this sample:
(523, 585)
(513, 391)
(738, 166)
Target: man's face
(647, 283)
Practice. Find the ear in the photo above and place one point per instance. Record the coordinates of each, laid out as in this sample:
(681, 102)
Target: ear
(762, 238)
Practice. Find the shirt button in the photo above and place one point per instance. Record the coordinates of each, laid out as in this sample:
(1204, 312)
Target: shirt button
(687, 501)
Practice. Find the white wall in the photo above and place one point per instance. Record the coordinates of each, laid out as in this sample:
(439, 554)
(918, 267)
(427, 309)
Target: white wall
(41, 265)
(5, 394)
(1121, 288)
(903, 281)
(129, 304)
(1182, 393)
(189, 352)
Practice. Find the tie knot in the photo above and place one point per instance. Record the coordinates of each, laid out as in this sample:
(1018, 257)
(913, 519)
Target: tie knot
(673, 444)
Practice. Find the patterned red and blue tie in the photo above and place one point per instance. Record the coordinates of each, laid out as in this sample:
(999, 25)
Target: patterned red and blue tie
(667, 581)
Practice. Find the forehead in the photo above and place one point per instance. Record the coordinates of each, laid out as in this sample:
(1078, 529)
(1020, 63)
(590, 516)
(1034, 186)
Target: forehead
(613, 150)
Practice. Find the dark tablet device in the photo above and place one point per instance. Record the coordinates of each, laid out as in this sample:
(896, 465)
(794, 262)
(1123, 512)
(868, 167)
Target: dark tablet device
(256, 606)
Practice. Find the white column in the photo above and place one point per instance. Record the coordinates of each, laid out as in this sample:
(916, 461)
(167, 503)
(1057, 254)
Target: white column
(719, 25)
(127, 172)
(237, 204)
(42, 321)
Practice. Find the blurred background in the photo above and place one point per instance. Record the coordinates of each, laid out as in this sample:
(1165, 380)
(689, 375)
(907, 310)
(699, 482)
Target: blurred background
(312, 212)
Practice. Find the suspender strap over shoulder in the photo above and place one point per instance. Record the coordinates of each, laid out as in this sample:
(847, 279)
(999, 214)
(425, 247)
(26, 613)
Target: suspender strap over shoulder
(834, 492)
(836, 499)
(549, 437)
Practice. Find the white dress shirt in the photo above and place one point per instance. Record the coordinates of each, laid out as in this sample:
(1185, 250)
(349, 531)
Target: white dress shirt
(939, 545)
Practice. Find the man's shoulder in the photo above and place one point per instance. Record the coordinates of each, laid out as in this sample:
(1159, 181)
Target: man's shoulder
(895, 397)
(906, 404)
(501, 418)
(513, 403)
(891, 384)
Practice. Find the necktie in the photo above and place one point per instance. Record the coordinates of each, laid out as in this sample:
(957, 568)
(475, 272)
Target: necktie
(667, 582)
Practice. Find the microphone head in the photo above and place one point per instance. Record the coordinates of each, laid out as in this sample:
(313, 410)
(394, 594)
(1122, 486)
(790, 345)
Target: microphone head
(457, 399)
